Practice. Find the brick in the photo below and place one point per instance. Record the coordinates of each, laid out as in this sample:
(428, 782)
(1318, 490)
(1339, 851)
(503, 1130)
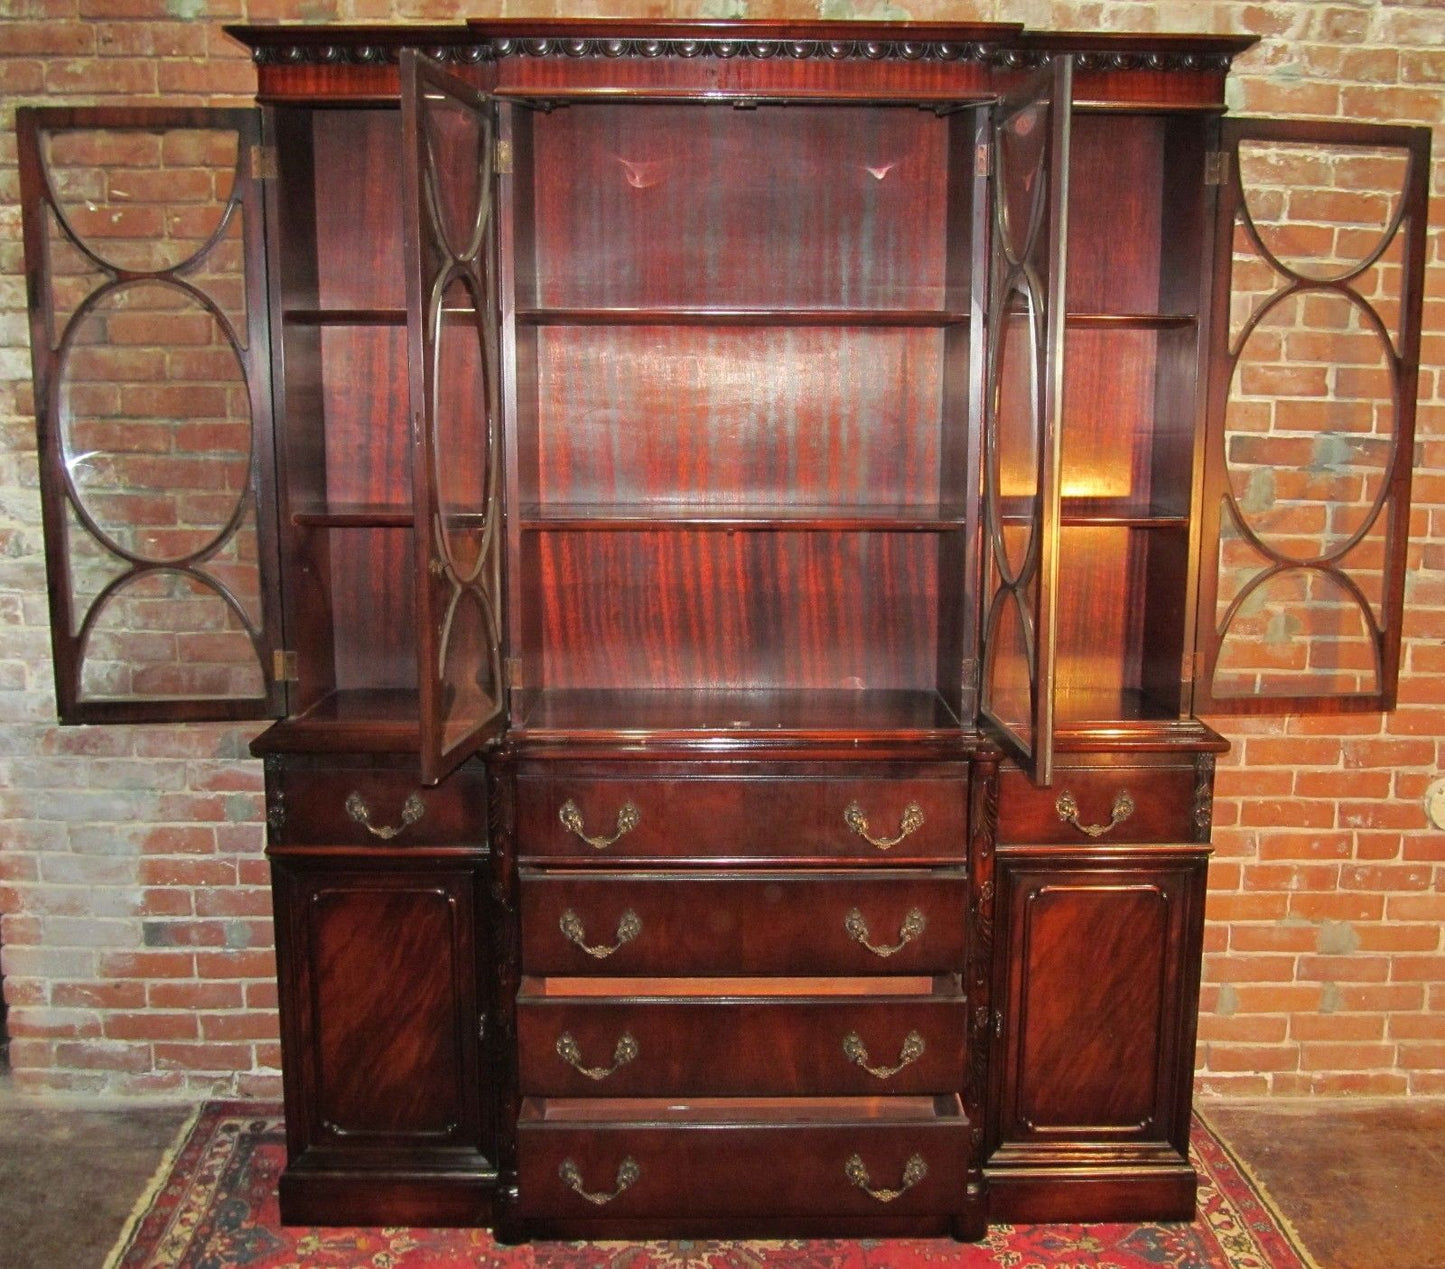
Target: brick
(202, 1057)
(239, 1026)
(1251, 1057)
(1337, 1026)
(1329, 969)
(151, 1024)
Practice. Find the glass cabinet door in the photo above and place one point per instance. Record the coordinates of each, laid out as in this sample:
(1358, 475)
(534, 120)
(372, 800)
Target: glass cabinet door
(449, 138)
(1022, 401)
(1320, 244)
(144, 249)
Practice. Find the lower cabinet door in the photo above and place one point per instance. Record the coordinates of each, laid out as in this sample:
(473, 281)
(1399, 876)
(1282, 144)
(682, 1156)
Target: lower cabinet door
(378, 963)
(1098, 994)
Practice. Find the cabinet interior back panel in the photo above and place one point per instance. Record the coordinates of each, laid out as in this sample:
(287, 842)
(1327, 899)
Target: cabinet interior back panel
(357, 156)
(371, 575)
(364, 398)
(738, 415)
(739, 610)
(1115, 205)
(797, 206)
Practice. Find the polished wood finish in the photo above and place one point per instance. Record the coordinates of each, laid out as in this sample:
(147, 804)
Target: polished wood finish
(693, 924)
(656, 519)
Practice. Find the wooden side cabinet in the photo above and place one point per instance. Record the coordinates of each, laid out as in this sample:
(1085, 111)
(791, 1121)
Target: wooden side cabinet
(1097, 996)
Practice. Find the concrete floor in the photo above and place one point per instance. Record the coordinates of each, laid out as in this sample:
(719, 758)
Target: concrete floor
(1363, 1183)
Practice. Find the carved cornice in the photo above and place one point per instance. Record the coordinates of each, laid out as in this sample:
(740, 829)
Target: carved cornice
(339, 54)
(1006, 57)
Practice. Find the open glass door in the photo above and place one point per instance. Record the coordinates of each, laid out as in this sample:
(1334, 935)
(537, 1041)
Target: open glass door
(144, 249)
(448, 142)
(1029, 160)
(1319, 264)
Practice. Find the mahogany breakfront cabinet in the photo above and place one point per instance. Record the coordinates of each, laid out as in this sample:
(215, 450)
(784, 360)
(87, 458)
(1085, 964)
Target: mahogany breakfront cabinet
(735, 523)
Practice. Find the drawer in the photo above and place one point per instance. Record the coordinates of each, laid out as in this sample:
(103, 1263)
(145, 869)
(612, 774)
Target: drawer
(639, 1159)
(854, 921)
(740, 1037)
(1102, 804)
(374, 802)
(919, 816)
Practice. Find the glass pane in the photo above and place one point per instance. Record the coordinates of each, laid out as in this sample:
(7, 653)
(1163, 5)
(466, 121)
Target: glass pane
(470, 667)
(1022, 186)
(456, 146)
(1310, 423)
(166, 634)
(462, 424)
(1321, 210)
(155, 421)
(1008, 684)
(143, 200)
(1299, 632)
(1016, 430)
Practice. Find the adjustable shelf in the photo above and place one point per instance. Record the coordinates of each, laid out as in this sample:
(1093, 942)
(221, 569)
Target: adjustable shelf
(740, 316)
(643, 517)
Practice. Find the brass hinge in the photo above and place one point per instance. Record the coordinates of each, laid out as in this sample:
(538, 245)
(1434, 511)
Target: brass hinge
(1192, 666)
(998, 1023)
(265, 163)
(284, 666)
(504, 158)
(1214, 167)
(980, 160)
(512, 668)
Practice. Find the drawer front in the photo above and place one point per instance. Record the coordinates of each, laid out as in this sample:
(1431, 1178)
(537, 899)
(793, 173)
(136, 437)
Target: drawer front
(910, 818)
(375, 804)
(879, 1167)
(853, 1046)
(859, 921)
(1104, 805)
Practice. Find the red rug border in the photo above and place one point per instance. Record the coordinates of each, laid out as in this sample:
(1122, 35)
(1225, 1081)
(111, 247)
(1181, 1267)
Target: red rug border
(1243, 1218)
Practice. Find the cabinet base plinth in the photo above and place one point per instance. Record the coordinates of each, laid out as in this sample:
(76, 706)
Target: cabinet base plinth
(385, 1198)
(773, 1227)
(1060, 1195)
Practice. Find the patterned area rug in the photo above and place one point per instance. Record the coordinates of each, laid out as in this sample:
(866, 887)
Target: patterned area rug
(212, 1205)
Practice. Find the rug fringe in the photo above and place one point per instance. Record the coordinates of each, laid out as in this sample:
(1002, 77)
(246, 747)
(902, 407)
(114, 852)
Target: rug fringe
(1265, 1197)
(157, 1181)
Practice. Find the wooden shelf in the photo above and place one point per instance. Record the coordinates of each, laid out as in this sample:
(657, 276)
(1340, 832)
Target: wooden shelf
(743, 712)
(742, 316)
(1081, 512)
(355, 515)
(644, 517)
(374, 720)
(344, 317)
(1130, 321)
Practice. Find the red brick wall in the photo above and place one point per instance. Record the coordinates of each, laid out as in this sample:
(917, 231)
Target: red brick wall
(134, 913)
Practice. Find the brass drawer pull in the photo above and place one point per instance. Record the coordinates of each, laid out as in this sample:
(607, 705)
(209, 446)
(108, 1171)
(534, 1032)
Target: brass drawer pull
(855, 1052)
(629, 926)
(913, 1172)
(571, 1053)
(913, 925)
(912, 820)
(628, 818)
(411, 811)
(1068, 812)
(627, 1175)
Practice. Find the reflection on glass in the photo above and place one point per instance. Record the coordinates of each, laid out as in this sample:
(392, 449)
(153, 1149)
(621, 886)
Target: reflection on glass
(1021, 195)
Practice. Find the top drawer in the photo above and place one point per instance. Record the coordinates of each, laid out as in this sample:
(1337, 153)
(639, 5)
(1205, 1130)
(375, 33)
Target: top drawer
(1102, 804)
(373, 802)
(916, 814)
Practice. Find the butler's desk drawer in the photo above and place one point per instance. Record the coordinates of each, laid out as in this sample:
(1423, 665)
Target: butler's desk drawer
(739, 1037)
(908, 812)
(372, 801)
(1105, 802)
(834, 921)
(835, 1157)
